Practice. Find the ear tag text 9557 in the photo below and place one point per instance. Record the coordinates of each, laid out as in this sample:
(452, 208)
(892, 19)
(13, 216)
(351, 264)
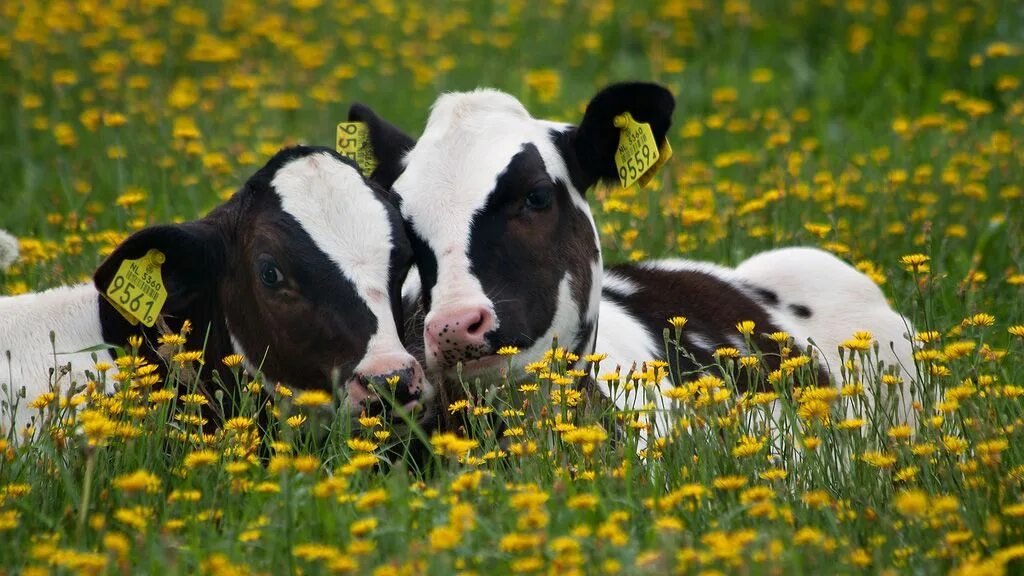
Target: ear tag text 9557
(354, 142)
(137, 290)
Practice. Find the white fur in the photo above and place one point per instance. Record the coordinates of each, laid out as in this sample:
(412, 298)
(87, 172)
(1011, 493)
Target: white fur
(8, 250)
(72, 313)
(842, 301)
(345, 219)
(619, 284)
(468, 142)
(628, 344)
(683, 265)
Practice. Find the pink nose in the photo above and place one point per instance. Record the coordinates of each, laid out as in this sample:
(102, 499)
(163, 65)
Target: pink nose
(459, 330)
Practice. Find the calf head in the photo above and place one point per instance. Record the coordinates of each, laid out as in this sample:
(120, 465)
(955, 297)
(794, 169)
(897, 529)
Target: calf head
(299, 271)
(494, 200)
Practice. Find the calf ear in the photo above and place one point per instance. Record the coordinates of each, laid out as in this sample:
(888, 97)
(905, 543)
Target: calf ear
(593, 143)
(194, 259)
(389, 143)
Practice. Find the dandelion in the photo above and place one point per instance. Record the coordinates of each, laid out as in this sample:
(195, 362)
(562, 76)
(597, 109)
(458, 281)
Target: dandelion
(746, 327)
(360, 445)
(233, 360)
(138, 481)
(508, 351)
(183, 358)
(200, 458)
(313, 398)
(917, 263)
(677, 322)
(980, 319)
(912, 503)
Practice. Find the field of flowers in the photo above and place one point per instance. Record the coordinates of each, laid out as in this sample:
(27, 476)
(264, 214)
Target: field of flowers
(888, 132)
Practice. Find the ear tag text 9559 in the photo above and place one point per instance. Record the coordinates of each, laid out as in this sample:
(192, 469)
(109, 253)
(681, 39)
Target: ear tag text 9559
(137, 290)
(638, 157)
(354, 142)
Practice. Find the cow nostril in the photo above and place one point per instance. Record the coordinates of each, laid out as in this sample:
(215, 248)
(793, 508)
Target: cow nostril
(477, 326)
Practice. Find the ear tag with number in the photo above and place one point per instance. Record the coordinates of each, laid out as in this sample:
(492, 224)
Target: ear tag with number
(354, 142)
(637, 154)
(137, 290)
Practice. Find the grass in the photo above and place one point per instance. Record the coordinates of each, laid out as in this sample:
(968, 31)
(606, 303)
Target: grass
(876, 130)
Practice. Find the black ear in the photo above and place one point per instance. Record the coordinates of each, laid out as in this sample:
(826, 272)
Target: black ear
(194, 254)
(594, 141)
(389, 144)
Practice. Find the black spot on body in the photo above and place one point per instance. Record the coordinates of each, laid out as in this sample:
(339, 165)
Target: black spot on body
(712, 308)
(770, 298)
(800, 310)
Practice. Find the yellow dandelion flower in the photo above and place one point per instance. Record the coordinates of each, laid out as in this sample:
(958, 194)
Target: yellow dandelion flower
(138, 481)
(915, 262)
(980, 319)
(727, 352)
(200, 458)
(677, 322)
(172, 339)
(194, 399)
(912, 503)
(361, 445)
(188, 356)
(42, 401)
(313, 398)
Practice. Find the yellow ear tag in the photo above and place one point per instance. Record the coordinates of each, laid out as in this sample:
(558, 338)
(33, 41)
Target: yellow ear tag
(664, 153)
(137, 290)
(637, 153)
(354, 142)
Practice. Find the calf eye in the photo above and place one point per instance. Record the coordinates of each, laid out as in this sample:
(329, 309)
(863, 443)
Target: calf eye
(539, 198)
(271, 275)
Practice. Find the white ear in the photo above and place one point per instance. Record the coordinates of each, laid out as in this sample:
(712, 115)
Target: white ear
(8, 250)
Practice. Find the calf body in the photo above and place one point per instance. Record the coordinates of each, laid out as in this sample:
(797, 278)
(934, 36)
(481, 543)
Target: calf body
(299, 272)
(508, 252)
(72, 314)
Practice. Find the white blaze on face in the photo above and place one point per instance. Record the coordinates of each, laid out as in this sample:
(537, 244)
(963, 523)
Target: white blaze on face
(468, 143)
(348, 223)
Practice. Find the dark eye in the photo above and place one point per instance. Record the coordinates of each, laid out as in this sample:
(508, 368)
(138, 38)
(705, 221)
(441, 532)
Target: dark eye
(271, 275)
(539, 198)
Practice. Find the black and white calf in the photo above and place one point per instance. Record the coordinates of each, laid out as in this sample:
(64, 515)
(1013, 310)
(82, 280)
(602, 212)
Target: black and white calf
(300, 272)
(508, 253)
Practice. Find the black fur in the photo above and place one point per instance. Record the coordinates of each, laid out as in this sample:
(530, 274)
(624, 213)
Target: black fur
(712, 307)
(389, 142)
(589, 149)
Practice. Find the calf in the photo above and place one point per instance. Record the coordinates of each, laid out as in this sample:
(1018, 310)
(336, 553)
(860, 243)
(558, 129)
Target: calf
(299, 272)
(508, 253)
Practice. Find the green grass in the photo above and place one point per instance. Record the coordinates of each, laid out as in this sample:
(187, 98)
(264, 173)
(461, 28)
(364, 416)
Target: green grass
(873, 129)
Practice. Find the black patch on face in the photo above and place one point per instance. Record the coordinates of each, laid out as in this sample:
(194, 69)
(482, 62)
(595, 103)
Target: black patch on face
(426, 263)
(800, 310)
(520, 255)
(712, 308)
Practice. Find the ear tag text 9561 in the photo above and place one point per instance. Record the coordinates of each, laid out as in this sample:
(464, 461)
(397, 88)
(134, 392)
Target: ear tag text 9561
(354, 142)
(137, 290)
(638, 157)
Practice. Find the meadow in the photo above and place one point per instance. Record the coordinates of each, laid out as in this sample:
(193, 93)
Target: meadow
(887, 132)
